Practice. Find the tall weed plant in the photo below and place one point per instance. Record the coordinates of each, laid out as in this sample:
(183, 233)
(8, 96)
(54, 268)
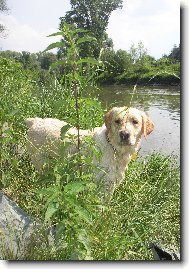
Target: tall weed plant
(67, 192)
(71, 201)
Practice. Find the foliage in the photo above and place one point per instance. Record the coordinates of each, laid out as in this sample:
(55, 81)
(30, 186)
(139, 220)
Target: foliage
(115, 63)
(68, 202)
(3, 8)
(31, 61)
(92, 16)
(13, 109)
(175, 54)
(145, 208)
(136, 66)
(79, 73)
(128, 67)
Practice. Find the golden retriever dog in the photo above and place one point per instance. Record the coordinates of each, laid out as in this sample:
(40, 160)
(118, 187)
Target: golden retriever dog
(118, 139)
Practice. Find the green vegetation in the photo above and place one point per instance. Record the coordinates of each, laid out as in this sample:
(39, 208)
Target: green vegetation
(121, 67)
(3, 8)
(93, 16)
(145, 208)
(136, 66)
(131, 67)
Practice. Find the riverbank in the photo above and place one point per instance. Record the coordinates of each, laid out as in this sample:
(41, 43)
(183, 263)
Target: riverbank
(153, 78)
(139, 83)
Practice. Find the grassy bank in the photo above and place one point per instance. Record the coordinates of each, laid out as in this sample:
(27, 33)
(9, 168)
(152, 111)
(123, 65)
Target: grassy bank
(162, 75)
(144, 209)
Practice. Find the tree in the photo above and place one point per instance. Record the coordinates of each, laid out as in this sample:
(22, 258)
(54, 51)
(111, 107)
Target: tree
(115, 64)
(123, 61)
(137, 52)
(175, 53)
(46, 59)
(139, 56)
(109, 59)
(11, 55)
(3, 8)
(92, 15)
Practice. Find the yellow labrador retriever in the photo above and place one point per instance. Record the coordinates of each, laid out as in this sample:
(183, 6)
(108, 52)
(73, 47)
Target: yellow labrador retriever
(118, 139)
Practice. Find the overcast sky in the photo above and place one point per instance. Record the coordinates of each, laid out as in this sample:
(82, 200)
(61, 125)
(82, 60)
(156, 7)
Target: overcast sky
(154, 22)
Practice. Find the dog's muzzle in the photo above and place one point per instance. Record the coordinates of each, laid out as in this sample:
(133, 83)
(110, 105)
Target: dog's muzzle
(124, 137)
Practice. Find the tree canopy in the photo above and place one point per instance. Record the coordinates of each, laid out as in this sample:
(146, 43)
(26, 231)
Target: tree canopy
(175, 53)
(92, 15)
(3, 8)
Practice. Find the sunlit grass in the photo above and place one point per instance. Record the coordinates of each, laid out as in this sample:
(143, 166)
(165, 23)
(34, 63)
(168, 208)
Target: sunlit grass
(145, 208)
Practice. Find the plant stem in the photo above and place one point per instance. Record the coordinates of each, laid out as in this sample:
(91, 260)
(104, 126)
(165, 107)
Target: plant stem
(1, 149)
(77, 115)
(75, 86)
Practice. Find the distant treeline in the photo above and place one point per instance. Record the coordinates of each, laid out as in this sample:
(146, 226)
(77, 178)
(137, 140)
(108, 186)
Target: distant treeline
(126, 67)
(122, 67)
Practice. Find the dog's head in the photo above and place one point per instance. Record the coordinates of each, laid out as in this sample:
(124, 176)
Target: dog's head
(125, 126)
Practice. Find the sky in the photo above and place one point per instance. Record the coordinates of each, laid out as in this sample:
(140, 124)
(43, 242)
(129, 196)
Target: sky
(154, 22)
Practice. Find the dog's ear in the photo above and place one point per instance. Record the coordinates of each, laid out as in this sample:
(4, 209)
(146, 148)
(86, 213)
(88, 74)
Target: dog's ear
(108, 119)
(147, 125)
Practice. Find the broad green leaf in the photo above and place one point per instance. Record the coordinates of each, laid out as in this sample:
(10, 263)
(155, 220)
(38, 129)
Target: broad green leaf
(64, 129)
(84, 239)
(54, 45)
(53, 198)
(83, 214)
(57, 63)
(57, 33)
(85, 39)
(74, 187)
(71, 200)
(47, 191)
(63, 146)
(51, 209)
(60, 229)
(90, 61)
(79, 30)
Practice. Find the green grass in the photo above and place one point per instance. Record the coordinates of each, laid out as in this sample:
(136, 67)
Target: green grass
(145, 208)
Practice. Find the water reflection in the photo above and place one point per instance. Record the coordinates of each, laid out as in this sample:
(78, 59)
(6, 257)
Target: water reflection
(161, 104)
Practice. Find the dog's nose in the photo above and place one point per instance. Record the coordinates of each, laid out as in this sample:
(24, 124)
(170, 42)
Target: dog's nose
(124, 135)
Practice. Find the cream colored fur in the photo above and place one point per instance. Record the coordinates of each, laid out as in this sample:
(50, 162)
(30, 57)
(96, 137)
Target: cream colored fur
(118, 139)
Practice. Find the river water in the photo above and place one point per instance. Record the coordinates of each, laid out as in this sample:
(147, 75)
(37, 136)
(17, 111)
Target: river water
(162, 105)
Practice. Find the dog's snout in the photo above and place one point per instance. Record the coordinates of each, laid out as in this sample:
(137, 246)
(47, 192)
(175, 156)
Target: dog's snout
(124, 135)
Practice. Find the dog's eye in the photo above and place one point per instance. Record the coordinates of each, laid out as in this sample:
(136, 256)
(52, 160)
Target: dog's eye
(118, 121)
(135, 121)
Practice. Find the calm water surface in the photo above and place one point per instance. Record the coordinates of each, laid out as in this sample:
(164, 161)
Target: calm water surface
(163, 107)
